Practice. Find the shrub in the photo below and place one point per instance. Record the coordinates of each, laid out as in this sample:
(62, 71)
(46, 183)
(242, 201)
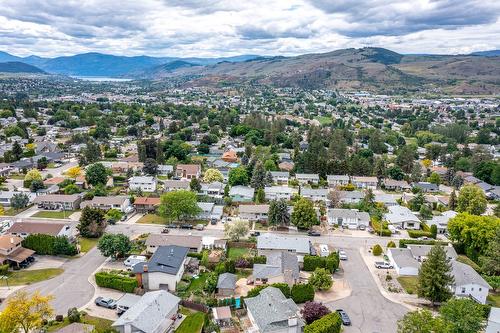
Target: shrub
(331, 323)
(4, 269)
(377, 250)
(419, 233)
(313, 262)
(73, 315)
(391, 244)
(49, 245)
(434, 231)
(259, 259)
(59, 318)
(285, 289)
(404, 242)
(302, 293)
(195, 255)
(313, 311)
(332, 262)
(116, 281)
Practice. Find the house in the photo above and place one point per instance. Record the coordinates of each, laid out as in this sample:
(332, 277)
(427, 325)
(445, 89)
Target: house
(165, 169)
(280, 177)
(387, 199)
(11, 250)
(319, 194)
(121, 203)
(226, 284)
(268, 243)
(348, 218)
(213, 190)
(402, 217)
(281, 266)
(211, 242)
(307, 178)
(175, 185)
(146, 204)
(286, 166)
(154, 241)
(76, 328)
(6, 197)
(188, 171)
(222, 315)
(5, 169)
(271, 311)
(230, 156)
(365, 182)
(153, 313)
(468, 283)
(280, 192)
(426, 187)
(337, 180)
(25, 228)
(493, 325)
(420, 252)
(441, 221)
(142, 183)
(58, 201)
(253, 212)
(403, 261)
(351, 197)
(206, 209)
(241, 193)
(164, 270)
(396, 185)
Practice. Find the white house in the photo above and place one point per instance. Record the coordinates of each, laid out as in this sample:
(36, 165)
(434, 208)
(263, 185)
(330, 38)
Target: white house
(468, 283)
(122, 203)
(403, 261)
(24, 228)
(165, 169)
(351, 197)
(307, 178)
(268, 243)
(320, 194)
(280, 177)
(441, 221)
(402, 217)
(213, 190)
(175, 185)
(337, 180)
(253, 212)
(279, 192)
(365, 182)
(143, 183)
(350, 218)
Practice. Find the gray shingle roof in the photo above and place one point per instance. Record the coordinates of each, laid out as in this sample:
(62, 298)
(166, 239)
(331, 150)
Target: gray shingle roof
(167, 259)
(226, 281)
(280, 242)
(403, 258)
(464, 274)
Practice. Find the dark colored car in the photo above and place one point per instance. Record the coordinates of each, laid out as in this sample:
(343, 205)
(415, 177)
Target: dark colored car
(213, 221)
(186, 226)
(171, 226)
(344, 317)
(313, 233)
(108, 303)
(255, 233)
(165, 231)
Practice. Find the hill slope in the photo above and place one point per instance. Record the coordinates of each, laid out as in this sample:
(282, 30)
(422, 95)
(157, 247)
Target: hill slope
(19, 67)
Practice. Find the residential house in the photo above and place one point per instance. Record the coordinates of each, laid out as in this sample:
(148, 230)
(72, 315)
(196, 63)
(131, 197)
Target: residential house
(175, 185)
(272, 312)
(351, 197)
(280, 177)
(230, 156)
(188, 171)
(307, 178)
(441, 221)
(337, 180)
(211, 242)
(403, 261)
(165, 169)
(402, 217)
(142, 183)
(319, 194)
(121, 203)
(153, 313)
(5, 169)
(25, 228)
(365, 182)
(426, 187)
(253, 212)
(214, 190)
(11, 250)
(59, 201)
(387, 199)
(396, 185)
(6, 197)
(280, 192)
(164, 270)
(146, 205)
(348, 218)
(286, 166)
(241, 193)
(268, 243)
(226, 284)
(222, 315)
(154, 241)
(280, 267)
(420, 252)
(468, 283)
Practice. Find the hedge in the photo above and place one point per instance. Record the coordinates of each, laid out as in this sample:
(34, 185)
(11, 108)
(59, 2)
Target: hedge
(195, 255)
(49, 245)
(116, 281)
(404, 242)
(419, 233)
(285, 289)
(302, 293)
(331, 323)
(331, 263)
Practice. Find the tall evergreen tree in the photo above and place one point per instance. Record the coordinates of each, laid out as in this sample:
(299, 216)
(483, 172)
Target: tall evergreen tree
(452, 203)
(258, 180)
(434, 276)
(278, 213)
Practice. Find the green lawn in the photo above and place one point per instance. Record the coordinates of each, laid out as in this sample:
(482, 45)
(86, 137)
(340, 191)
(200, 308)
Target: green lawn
(11, 211)
(152, 219)
(53, 214)
(87, 244)
(236, 252)
(409, 283)
(324, 121)
(465, 260)
(23, 277)
(260, 226)
(101, 325)
(494, 299)
(193, 323)
(18, 176)
(197, 284)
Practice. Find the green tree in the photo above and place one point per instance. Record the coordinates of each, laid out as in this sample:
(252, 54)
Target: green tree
(235, 230)
(213, 175)
(377, 250)
(434, 276)
(260, 195)
(434, 178)
(114, 245)
(321, 279)
(258, 180)
(36, 185)
(490, 261)
(96, 174)
(195, 185)
(179, 205)
(463, 315)
(405, 158)
(452, 203)
(238, 176)
(150, 167)
(92, 222)
(19, 201)
(71, 189)
(278, 214)
(303, 215)
(32, 175)
(472, 200)
(421, 321)
(42, 163)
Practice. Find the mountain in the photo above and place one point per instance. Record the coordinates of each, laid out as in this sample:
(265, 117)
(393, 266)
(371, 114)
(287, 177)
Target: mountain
(19, 67)
(373, 69)
(491, 53)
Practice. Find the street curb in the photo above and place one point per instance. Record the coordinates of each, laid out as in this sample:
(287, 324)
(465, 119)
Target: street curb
(91, 280)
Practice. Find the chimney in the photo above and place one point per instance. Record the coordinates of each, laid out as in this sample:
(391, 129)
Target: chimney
(12, 240)
(145, 267)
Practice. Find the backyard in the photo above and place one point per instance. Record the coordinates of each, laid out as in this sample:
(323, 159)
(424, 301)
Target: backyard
(237, 252)
(193, 323)
(409, 283)
(152, 219)
(24, 277)
(101, 325)
(53, 214)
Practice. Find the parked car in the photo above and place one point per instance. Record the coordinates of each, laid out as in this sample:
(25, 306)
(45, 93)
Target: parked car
(362, 227)
(313, 233)
(213, 221)
(123, 218)
(255, 233)
(165, 230)
(171, 226)
(133, 260)
(200, 226)
(105, 302)
(344, 317)
(186, 226)
(383, 265)
(342, 255)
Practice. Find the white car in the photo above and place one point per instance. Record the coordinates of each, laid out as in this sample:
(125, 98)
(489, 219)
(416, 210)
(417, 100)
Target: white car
(133, 260)
(342, 255)
(383, 265)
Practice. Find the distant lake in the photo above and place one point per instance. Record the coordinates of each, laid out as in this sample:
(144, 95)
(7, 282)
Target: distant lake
(101, 79)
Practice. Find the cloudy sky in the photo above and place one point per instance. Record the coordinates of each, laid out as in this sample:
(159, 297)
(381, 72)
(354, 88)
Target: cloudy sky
(207, 28)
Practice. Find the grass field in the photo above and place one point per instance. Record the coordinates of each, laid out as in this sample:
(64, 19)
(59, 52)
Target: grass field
(11, 211)
(193, 323)
(409, 283)
(53, 214)
(101, 325)
(197, 284)
(236, 252)
(494, 300)
(23, 277)
(325, 121)
(152, 219)
(87, 244)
